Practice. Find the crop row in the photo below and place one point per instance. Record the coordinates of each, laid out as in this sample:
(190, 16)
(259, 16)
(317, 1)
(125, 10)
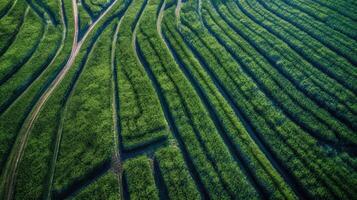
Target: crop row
(141, 117)
(12, 118)
(176, 176)
(187, 117)
(95, 7)
(22, 49)
(36, 163)
(11, 24)
(314, 84)
(139, 179)
(224, 114)
(105, 187)
(287, 141)
(329, 17)
(281, 91)
(87, 120)
(343, 7)
(338, 42)
(312, 50)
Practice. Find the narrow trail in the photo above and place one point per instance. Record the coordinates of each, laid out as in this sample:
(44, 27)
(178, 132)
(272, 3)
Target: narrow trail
(59, 133)
(117, 164)
(19, 146)
(169, 118)
(9, 8)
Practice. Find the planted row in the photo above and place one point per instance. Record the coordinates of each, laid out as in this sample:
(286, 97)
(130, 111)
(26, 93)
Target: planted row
(310, 49)
(105, 187)
(327, 16)
(293, 147)
(189, 121)
(323, 90)
(139, 179)
(87, 118)
(293, 102)
(257, 167)
(336, 41)
(141, 117)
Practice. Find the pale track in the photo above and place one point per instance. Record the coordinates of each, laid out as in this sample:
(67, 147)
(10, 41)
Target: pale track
(20, 144)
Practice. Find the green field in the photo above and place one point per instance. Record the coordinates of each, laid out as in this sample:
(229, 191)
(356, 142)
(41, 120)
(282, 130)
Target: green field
(178, 99)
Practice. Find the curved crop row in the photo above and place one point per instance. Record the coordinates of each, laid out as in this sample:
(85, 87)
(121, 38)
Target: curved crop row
(24, 46)
(11, 24)
(323, 90)
(245, 151)
(105, 187)
(292, 146)
(336, 41)
(281, 91)
(194, 128)
(141, 117)
(329, 17)
(310, 49)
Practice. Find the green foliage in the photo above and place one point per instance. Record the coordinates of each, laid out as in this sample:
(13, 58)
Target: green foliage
(195, 128)
(283, 137)
(177, 178)
(88, 120)
(256, 160)
(139, 178)
(105, 187)
(10, 24)
(140, 114)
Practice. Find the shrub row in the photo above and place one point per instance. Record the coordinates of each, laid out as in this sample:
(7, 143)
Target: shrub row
(141, 117)
(88, 118)
(293, 147)
(176, 175)
(49, 47)
(11, 24)
(343, 7)
(35, 165)
(106, 187)
(39, 153)
(251, 156)
(138, 176)
(22, 49)
(324, 91)
(217, 170)
(95, 7)
(312, 50)
(327, 16)
(281, 91)
(338, 42)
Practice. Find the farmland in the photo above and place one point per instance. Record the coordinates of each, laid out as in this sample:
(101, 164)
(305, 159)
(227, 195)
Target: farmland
(178, 99)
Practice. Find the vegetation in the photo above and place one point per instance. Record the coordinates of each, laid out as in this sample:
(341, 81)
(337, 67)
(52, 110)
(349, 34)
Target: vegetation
(178, 181)
(105, 187)
(141, 117)
(139, 177)
(178, 99)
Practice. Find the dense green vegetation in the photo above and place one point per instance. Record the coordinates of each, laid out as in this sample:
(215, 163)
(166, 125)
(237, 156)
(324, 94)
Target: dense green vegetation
(141, 118)
(178, 99)
(138, 175)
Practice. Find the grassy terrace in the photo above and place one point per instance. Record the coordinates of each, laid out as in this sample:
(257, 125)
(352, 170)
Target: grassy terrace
(178, 99)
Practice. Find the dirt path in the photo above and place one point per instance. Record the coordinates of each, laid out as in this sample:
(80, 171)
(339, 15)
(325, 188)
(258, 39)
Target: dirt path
(18, 149)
